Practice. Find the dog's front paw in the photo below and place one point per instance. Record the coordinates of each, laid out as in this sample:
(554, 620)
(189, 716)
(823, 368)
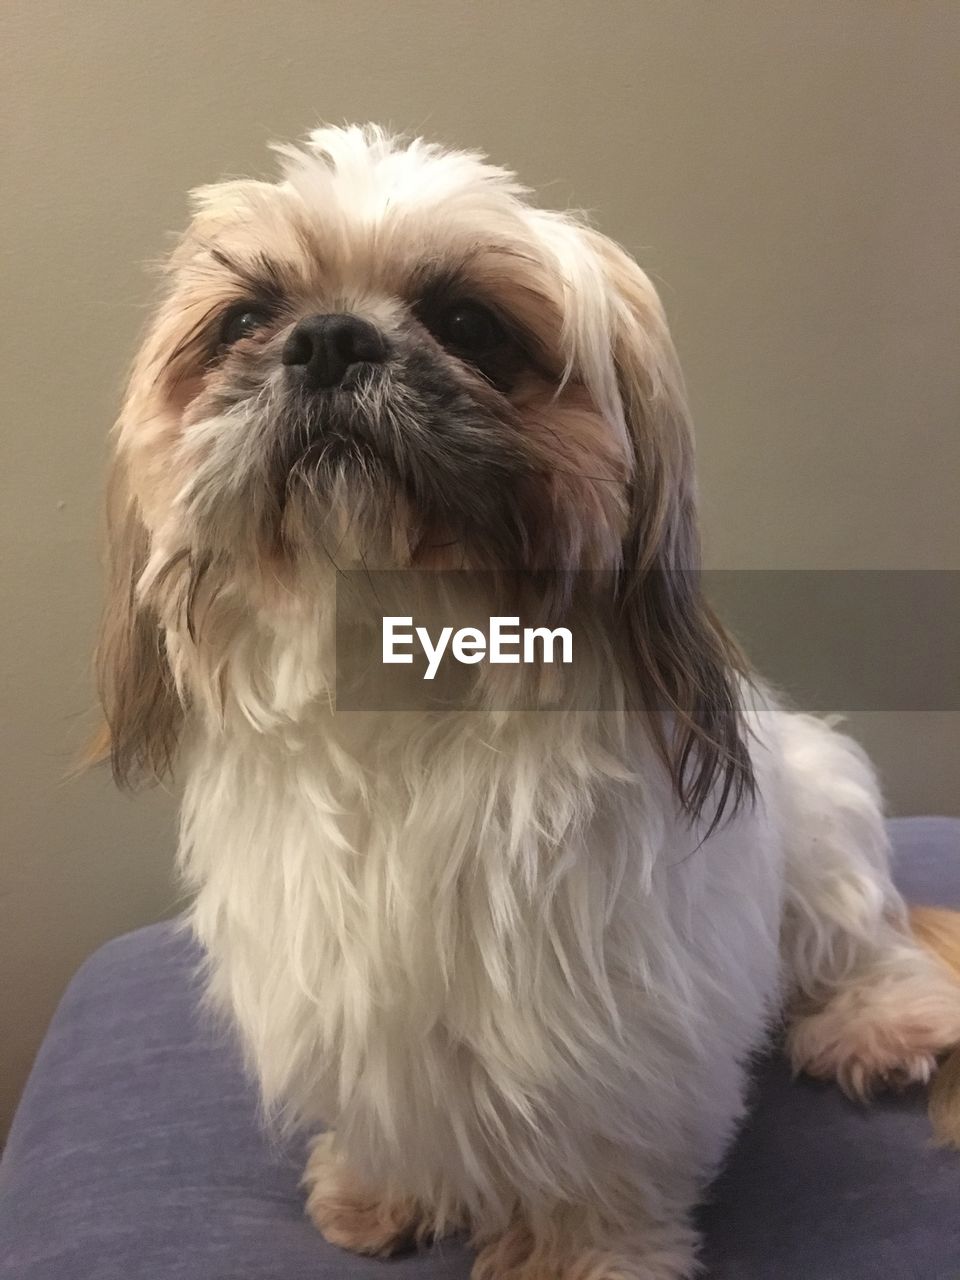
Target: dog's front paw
(351, 1215)
(666, 1252)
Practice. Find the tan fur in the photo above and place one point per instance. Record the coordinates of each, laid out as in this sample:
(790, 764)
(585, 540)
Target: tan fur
(654, 1253)
(353, 1216)
(863, 1044)
(887, 1025)
(349, 1214)
(141, 708)
(939, 931)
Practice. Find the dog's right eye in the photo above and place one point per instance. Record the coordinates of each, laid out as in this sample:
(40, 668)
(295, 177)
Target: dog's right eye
(242, 322)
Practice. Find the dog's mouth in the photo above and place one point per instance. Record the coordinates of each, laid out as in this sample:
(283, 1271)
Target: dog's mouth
(409, 453)
(335, 436)
(443, 485)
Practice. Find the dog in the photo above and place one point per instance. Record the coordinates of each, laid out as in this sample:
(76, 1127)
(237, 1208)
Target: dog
(512, 964)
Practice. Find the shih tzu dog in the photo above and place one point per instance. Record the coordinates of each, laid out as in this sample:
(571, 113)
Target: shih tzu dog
(512, 963)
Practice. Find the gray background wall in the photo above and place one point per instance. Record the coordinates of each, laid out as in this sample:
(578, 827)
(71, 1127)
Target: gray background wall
(781, 168)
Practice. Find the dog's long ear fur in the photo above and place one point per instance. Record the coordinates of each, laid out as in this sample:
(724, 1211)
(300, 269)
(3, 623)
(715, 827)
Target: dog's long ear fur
(140, 704)
(690, 671)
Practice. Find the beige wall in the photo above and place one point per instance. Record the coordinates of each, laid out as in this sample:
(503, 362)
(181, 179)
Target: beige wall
(781, 168)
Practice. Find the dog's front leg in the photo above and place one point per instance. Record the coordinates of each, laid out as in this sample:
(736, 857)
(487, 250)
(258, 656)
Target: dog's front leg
(564, 1242)
(575, 1243)
(353, 1215)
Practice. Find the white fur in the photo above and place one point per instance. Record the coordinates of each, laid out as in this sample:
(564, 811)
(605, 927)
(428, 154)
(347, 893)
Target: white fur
(487, 949)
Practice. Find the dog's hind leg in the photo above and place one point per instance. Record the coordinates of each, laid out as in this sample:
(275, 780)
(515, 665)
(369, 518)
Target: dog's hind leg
(869, 1006)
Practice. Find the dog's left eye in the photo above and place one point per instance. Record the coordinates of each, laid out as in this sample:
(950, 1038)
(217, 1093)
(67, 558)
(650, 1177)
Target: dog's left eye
(468, 328)
(242, 322)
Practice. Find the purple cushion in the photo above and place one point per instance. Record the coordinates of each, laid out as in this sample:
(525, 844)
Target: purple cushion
(136, 1153)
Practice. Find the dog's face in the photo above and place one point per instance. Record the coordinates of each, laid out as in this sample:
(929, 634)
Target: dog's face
(389, 358)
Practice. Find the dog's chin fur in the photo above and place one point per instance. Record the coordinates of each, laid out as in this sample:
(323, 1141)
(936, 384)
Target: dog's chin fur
(517, 963)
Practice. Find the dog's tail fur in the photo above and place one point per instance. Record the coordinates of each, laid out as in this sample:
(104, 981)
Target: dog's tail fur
(938, 931)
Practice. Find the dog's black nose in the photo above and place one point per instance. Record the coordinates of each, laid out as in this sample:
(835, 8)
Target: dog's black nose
(323, 348)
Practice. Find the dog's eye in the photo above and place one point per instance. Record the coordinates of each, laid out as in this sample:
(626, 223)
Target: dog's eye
(468, 328)
(242, 322)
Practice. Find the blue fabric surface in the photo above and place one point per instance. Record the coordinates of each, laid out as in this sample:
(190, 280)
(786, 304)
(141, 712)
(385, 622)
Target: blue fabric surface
(137, 1154)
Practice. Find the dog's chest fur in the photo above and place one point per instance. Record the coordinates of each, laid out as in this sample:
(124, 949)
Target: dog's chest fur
(438, 934)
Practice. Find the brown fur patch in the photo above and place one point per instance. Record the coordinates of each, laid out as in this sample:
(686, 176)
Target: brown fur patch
(141, 707)
(939, 931)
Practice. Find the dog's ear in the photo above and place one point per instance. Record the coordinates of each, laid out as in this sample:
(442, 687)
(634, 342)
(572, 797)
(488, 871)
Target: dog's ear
(141, 708)
(690, 672)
